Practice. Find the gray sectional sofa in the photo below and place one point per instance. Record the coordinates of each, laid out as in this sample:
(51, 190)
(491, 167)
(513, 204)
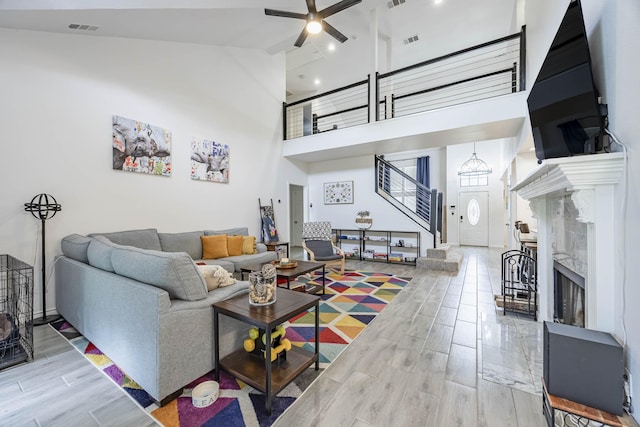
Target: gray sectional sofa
(139, 297)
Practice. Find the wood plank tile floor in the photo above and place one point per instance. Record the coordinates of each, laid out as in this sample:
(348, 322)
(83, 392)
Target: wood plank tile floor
(62, 388)
(420, 362)
(439, 355)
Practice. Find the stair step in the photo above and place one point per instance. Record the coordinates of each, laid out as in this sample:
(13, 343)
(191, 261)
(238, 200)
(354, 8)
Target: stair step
(438, 253)
(435, 260)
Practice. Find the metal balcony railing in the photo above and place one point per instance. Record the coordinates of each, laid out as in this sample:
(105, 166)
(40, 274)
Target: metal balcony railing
(479, 72)
(483, 71)
(339, 108)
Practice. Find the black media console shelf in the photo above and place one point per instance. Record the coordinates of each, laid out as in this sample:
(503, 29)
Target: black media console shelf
(395, 247)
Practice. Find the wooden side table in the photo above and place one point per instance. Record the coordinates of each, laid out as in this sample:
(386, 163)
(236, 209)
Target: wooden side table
(257, 371)
(273, 246)
(551, 403)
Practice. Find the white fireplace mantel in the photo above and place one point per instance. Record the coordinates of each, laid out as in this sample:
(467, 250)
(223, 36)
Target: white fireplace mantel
(566, 174)
(589, 179)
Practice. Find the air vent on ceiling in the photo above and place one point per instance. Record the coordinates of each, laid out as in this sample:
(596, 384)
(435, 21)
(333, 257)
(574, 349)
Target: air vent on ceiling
(83, 27)
(395, 3)
(411, 39)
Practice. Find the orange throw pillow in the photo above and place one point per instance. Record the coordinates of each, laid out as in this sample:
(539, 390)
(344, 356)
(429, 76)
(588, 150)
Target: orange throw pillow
(234, 245)
(214, 247)
(249, 245)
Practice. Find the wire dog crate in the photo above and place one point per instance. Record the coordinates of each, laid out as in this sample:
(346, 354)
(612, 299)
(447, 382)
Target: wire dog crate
(16, 311)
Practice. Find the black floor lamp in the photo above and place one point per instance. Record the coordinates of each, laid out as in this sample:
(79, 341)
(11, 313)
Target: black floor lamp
(43, 207)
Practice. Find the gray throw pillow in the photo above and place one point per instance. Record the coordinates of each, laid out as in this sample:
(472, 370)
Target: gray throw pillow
(99, 253)
(75, 246)
(188, 242)
(144, 239)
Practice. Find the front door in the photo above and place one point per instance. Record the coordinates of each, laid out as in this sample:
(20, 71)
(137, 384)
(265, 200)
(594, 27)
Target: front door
(474, 218)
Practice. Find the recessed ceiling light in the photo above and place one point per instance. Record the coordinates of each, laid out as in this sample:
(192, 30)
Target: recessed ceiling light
(316, 82)
(437, 1)
(331, 47)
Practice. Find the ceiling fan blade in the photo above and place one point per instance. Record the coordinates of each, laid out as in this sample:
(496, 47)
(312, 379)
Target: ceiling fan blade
(285, 14)
(342, 5)
(301, 38)
(333, 32)
(311, 6)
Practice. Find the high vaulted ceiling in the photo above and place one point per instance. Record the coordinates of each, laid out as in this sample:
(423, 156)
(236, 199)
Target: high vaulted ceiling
(442, 26)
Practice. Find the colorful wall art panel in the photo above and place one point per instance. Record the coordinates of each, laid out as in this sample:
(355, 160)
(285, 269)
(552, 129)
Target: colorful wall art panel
(141, 147)
(209, 161)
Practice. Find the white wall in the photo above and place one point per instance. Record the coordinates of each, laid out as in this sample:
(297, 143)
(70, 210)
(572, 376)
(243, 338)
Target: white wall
(614, 36)
(59, 93)
(492, 153)
(361, 171)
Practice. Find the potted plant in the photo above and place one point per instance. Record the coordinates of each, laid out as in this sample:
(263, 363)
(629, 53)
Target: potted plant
(363, 221)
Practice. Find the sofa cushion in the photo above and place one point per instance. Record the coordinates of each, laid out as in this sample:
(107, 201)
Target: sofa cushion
(143, 239)
(237, 231)
(244, 260)
(234, 245)
(214, 247)
(222, 262)
(249, 245)
(75, 246)
(175, 272)
(99, 253)
(188, 242)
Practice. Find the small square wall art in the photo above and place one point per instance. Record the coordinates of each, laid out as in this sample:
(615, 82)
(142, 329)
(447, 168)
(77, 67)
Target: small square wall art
(209, 160)
(338, 193)
(140, 147)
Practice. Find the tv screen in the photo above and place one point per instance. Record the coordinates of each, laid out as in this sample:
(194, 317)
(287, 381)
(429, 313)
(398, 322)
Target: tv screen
(566, 118)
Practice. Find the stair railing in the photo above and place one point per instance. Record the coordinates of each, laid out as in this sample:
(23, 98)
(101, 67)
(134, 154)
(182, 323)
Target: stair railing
(412, 198)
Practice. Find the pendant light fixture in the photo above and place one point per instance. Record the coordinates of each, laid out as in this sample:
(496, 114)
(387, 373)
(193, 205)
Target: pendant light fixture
(474, 166)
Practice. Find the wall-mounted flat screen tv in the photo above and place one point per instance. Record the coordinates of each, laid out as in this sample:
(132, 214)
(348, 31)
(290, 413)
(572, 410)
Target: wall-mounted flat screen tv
(566, 116)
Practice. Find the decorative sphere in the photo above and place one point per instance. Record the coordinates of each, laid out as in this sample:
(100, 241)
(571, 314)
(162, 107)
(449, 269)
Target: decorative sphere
(43, 206)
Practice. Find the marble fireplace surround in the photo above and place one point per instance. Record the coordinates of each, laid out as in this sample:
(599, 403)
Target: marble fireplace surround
(589, 181)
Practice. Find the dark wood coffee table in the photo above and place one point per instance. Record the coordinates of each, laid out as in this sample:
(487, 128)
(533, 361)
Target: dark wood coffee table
(291, 273)
(258, 371)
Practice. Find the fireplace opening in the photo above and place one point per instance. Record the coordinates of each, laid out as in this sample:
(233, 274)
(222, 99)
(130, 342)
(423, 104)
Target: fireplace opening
(568, 296)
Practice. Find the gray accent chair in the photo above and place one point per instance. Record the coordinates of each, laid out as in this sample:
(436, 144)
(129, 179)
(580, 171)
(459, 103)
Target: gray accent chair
(317, 242)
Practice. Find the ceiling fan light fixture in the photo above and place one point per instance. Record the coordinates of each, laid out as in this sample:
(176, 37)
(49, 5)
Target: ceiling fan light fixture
(314, 27)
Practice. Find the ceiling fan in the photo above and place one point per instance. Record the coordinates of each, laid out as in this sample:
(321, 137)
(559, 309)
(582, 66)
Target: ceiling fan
(315, 20)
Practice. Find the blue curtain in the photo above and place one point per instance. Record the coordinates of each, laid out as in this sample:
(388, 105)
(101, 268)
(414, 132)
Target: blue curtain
(422, 196)
(422, 172)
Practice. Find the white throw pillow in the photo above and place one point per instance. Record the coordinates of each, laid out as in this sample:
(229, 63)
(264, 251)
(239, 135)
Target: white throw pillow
(216, 276)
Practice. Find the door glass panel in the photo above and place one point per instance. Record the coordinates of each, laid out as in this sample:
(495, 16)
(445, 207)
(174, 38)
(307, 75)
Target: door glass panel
(473, 212)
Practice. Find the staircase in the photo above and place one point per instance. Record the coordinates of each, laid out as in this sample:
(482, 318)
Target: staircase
(409, 196)
(442, 258)
(424, 206)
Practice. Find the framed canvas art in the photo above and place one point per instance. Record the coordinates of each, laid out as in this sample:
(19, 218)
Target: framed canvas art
(209, 161)
(338, 193)
(140, 147)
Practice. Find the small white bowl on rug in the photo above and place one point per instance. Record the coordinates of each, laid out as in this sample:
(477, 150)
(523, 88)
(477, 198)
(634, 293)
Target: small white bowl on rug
(204, 394)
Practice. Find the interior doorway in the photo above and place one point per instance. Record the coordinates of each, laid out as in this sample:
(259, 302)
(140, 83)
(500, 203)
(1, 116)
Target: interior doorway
(296, 217)
(474, 218)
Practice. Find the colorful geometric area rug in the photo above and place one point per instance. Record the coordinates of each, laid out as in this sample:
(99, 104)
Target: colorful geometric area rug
(351, 302)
